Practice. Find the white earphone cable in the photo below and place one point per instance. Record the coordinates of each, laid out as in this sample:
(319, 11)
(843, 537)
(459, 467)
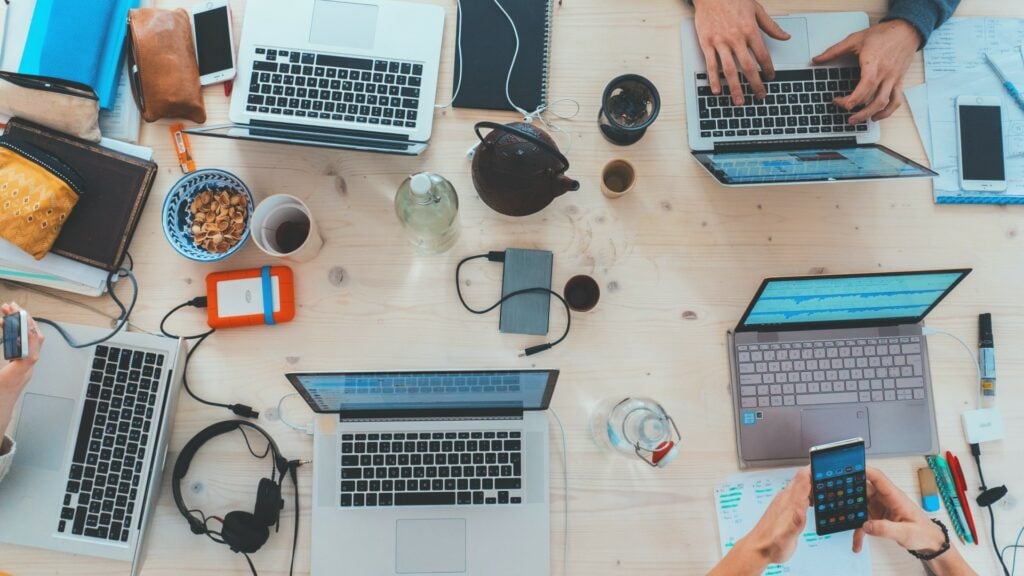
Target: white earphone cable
(565, 482)
(974, 360)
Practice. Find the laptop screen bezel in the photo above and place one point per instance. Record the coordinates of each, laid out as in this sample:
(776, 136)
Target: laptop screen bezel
(549, 389)
(832, 324)
(783, 146)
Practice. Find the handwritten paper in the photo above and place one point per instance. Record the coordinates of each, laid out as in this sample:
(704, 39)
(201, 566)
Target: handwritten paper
(741, 501)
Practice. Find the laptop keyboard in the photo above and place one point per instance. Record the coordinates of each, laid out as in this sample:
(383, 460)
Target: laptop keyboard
(107, 465)
(831, 372)
(290, 83)
(431, 469)
(798, 102)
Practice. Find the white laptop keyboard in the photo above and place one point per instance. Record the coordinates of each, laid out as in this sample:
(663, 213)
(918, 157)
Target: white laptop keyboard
(831, 372)
(296, 84)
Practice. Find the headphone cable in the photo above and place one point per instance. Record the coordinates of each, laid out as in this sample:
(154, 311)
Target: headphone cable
(122, 319)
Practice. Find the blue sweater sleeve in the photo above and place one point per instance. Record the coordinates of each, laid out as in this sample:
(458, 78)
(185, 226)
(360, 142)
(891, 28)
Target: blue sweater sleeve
(924, 15)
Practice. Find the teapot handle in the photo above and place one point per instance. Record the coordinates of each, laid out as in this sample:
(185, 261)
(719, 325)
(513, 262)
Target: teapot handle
(525, 136)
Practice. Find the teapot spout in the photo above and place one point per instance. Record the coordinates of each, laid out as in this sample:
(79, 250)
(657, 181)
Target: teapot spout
(565, 184)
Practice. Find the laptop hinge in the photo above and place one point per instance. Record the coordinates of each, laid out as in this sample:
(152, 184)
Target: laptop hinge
(322, 130)
(433, 414)
(781, 145)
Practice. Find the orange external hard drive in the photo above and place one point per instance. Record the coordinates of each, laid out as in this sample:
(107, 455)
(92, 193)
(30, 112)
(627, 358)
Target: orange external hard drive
(246, 297)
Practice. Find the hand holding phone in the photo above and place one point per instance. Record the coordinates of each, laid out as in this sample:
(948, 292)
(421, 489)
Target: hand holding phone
(16, 336)
(839, 486)
(979, 143)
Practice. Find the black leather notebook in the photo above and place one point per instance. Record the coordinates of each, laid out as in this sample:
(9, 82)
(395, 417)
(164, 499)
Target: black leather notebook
(114, 191)
(488, 44)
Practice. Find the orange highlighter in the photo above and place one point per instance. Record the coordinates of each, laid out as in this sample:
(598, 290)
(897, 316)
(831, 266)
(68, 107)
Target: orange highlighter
(961, 491)
(249, 297)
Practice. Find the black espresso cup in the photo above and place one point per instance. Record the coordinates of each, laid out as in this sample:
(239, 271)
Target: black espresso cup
(582, 293)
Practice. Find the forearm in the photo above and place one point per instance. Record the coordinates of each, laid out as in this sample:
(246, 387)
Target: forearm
(7, 402)
(951, 563)
(742, 560)
(924, 15)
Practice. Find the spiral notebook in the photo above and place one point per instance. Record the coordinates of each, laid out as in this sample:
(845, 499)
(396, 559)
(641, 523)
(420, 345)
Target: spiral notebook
(488, 44)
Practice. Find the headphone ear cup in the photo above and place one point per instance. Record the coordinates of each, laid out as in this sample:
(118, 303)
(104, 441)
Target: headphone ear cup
(268, 502)
(243, 533)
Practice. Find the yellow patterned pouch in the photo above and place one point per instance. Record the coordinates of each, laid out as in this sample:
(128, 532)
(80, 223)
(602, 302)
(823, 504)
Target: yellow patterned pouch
(37, 193)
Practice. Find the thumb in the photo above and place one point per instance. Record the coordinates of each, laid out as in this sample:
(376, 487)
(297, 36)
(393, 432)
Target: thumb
(769, 25)
(845, 46)
(895, 531)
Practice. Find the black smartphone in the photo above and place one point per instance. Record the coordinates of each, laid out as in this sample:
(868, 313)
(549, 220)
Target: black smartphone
(839, 486)
(16, 335)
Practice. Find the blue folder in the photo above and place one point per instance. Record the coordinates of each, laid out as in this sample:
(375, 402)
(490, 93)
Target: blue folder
(79, 40)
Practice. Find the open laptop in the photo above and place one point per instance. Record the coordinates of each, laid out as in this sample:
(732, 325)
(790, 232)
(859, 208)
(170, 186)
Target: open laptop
(92, 432)
(823, 358)
(353, 74)
(430, 472)
(795, 134)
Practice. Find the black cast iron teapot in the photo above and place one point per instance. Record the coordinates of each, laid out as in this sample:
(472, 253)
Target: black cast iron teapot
(518, 169)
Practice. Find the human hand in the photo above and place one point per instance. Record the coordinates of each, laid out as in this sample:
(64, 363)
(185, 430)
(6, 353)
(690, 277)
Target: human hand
(893, 515)
(16, 374)
(775, 536)
(884, 51)
(729, 31)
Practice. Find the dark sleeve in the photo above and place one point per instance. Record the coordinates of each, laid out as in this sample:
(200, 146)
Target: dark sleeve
(924, 15)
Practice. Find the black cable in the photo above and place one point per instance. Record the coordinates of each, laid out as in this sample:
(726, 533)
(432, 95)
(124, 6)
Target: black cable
(500, 257)
(251, 566)
(292, 467)
(986, 500)
(200, 302)
(122, 319)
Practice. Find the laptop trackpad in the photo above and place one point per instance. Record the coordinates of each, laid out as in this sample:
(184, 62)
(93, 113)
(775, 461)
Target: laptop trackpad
(792, 53)
(43, 430)
(824, 425)
(345, 24)
(431, 546)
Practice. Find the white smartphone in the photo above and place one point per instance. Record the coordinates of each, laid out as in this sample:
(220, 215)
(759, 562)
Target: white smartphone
(212, 34)
(979, 142)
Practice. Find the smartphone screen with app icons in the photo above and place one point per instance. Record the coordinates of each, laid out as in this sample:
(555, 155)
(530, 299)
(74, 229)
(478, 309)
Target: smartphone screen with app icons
(839, 486)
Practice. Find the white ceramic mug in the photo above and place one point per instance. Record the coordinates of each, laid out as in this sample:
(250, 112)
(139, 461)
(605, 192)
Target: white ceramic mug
(618, 178)
(284, 209)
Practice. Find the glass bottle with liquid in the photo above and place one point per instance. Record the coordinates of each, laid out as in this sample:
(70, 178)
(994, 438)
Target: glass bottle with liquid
(636, 427)
(428, 208)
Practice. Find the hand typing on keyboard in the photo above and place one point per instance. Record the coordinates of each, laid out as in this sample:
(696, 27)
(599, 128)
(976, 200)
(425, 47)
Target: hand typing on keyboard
(885, 51)
(730, 31)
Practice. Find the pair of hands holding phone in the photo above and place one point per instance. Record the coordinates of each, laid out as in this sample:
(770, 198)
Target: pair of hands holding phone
(730, 34)
(15, 375)
(892, 516)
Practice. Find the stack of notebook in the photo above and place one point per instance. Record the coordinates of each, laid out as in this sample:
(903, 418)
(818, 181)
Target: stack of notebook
(117, 178)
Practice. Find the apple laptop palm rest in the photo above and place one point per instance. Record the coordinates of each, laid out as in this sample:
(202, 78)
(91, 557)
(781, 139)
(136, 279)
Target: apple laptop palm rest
(431, 546)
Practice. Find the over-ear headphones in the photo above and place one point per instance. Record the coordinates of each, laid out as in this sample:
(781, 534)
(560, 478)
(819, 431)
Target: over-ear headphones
(242, 531)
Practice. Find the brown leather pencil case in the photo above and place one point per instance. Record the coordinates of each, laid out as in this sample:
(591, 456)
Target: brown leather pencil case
(162, 62)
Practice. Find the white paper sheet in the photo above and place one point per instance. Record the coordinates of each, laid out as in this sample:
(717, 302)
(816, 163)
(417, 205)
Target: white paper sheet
(743, 498)
(121, 122)
(959, 44)
(19, 18)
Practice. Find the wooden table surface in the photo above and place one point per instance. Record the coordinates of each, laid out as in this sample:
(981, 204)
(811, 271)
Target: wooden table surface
(677, 261)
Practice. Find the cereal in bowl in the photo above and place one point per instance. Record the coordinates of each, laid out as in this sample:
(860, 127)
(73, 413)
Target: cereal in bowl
(218, 220)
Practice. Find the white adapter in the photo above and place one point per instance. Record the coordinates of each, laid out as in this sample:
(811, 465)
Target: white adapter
(983, 425)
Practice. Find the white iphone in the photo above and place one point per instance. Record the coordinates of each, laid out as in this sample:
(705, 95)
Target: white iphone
(979, 142)
(215, 50)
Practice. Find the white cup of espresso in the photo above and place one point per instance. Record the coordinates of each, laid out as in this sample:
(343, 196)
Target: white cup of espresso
(282, 226)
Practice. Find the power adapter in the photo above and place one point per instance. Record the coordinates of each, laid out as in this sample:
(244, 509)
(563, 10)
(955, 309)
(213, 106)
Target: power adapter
(982, 425)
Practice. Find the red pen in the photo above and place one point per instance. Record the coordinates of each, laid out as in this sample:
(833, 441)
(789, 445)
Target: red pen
(961, 490)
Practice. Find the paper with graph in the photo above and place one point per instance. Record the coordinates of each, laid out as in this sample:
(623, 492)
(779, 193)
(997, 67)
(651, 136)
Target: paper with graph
(742, 499)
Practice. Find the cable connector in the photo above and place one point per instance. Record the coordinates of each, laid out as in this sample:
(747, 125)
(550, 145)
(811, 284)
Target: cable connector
(244, 411)
(495, 256)
(198, 302)
(535, 350)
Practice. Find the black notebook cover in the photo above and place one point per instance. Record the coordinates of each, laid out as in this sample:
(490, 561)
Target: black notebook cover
(114, 191)
(488, 44)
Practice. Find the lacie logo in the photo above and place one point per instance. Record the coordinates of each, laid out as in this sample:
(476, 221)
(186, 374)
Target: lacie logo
(985, 425)
(248, 296)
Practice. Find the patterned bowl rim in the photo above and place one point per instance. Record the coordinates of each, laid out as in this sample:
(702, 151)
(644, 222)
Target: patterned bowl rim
(167, 204)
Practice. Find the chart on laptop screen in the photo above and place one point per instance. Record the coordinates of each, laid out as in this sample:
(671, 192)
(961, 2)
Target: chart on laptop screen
(853, 298)
(427, 390)
(817, 164)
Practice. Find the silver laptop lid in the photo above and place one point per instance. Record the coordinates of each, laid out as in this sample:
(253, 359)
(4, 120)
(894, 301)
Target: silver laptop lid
(847, 301)
(425, 394)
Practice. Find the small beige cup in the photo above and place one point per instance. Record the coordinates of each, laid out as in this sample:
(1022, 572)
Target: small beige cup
(285, 210)
(618, 178)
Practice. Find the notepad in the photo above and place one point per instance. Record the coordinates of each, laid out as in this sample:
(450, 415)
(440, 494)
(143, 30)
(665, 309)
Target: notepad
(741, 501)
(488, 44)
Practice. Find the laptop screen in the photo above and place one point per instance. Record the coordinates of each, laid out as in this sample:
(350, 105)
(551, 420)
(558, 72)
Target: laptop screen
(751, 167)
(425, 391)
(870, 299)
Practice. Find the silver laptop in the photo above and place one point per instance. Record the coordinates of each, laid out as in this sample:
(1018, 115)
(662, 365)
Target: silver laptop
(822, 358)
(92, 432)
(795, 134)
(353, 74)
(430, 472)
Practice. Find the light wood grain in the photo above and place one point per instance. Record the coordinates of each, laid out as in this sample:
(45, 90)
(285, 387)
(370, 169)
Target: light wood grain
(677, 261)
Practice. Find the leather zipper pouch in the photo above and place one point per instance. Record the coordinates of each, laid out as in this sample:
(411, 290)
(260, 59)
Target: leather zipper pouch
(63, 105)
(37, 193)
(162, 64)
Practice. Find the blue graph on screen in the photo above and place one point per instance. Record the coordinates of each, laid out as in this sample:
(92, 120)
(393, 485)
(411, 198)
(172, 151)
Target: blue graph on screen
(855, 298)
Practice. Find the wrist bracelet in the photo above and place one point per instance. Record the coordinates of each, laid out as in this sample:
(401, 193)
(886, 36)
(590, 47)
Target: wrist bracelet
(933, 555)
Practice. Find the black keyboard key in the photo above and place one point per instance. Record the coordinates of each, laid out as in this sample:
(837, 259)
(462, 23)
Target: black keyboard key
(507, 483)
(425, 499)
(260, 66)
